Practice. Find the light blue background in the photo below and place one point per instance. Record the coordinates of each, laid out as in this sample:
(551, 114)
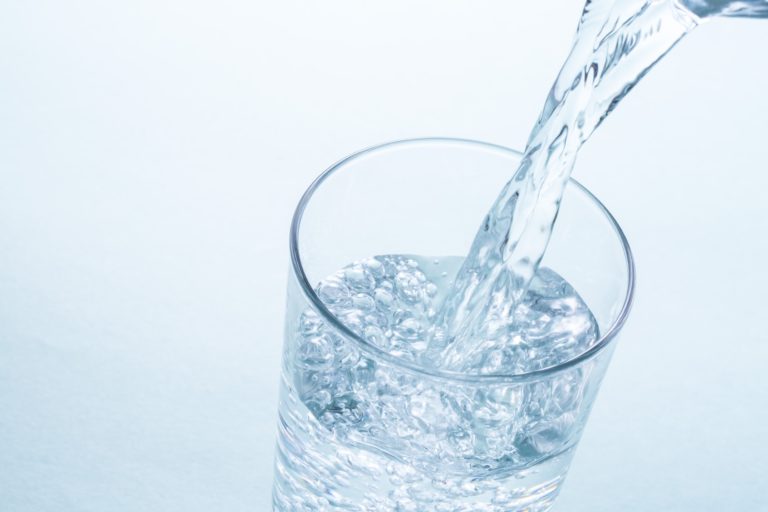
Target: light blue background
(151, 153)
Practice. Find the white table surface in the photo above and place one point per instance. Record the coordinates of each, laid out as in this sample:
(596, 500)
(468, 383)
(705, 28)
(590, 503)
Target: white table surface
(151, 153)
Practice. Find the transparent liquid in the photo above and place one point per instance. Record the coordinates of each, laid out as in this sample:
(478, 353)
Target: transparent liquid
(359, 434)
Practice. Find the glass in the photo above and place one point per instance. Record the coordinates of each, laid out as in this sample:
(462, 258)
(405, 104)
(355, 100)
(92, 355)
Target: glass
(361, 429)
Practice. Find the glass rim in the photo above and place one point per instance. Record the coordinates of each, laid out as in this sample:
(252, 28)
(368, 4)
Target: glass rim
(435, 373)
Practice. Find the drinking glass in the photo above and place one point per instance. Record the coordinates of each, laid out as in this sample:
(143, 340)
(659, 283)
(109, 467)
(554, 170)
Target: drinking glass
(364, 429)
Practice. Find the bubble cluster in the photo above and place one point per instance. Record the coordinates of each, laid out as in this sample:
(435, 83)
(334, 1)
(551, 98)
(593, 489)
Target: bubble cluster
(427, 438)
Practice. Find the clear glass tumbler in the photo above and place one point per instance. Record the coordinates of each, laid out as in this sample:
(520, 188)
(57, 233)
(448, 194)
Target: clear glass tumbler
(364, 429)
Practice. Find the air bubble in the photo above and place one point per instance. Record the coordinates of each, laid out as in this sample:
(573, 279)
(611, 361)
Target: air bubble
(332, 292)
(316, 351)
(363, 302)
(358, 278)
(383, 297)
(408, 287)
